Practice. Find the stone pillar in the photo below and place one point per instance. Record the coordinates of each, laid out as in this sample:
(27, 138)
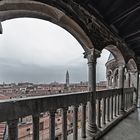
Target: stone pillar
(92, 55)
(137, 91)
(13, 129)
(114, 82)
(128, 79)
(107, 82)
(121, 76)
(121, 85)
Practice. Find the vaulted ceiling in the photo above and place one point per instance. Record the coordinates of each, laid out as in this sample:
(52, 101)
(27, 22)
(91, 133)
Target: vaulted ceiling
(123, 16)
(105, 22)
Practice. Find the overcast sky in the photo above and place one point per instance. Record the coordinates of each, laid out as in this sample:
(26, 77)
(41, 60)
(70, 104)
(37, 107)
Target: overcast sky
(38, 51)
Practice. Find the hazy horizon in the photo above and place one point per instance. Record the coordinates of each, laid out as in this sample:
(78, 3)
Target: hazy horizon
(38, 51)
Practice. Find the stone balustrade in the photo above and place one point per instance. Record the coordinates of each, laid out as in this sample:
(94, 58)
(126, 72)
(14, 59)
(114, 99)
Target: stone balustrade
(111, 107)
(114, 104)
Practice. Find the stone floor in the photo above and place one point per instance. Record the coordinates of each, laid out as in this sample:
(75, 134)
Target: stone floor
(128, 129)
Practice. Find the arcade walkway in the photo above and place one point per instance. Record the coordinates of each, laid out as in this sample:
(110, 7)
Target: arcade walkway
(128, 129)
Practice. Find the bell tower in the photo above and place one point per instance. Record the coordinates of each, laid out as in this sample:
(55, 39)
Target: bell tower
(67, 79)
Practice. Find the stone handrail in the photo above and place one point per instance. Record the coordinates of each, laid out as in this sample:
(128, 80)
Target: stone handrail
(109, 106)
(16, 108)
(108, 93)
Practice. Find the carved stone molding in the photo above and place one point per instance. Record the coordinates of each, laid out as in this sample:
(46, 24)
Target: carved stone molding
(92, 55)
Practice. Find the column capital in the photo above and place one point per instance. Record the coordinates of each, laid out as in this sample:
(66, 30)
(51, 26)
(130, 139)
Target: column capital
(92, 54)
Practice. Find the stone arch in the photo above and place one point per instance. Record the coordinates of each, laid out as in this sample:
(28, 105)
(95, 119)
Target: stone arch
(16, 9)
(116, 53)
(132, 71)
(131, 65)
(115, 61)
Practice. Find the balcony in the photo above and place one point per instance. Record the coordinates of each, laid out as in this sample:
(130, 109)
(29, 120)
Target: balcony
(111, 107)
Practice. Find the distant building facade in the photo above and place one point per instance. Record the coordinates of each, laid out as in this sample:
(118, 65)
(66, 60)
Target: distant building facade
(112, 74)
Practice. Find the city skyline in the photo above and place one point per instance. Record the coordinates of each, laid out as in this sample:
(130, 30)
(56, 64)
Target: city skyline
(35, 59)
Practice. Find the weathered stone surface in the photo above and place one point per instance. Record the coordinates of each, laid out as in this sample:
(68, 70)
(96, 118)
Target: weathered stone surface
(72, 15)
(128, 129)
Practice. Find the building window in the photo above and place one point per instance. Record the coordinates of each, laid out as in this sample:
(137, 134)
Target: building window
(41, 126)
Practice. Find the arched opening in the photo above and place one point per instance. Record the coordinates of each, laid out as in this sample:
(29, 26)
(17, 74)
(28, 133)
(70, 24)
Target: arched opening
(132, 73)
(104, 77)
(34, 9)
(112, 64)
(18, 9)
(116, 53)
(41, 52)
(24, 54)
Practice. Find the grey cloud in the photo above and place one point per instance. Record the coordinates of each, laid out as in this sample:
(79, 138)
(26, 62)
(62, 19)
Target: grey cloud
(14, 71)
(42, 52)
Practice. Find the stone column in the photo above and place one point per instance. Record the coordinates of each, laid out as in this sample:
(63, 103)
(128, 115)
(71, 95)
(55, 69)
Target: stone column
(121, 76)
(128, 79)
(92, 55)
(114, 80)
(121, 85)
(107, 82)
(137, 91)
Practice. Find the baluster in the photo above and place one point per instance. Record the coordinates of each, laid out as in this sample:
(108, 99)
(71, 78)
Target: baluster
(35, 127)
(115, 107)
(118, 104)
(83, 121)
(52, 125)
(75, 121)
(123, 103)
(131, 99)
(99, 113)
(112, 107)
(13, 129)
(126, 101)
(64, 124)
(104, 111)
(108, 108)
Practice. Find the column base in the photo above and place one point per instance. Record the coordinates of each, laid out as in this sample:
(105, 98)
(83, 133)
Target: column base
(92, 130)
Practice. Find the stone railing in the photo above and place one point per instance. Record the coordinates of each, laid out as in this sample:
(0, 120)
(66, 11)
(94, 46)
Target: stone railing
(111, 107)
